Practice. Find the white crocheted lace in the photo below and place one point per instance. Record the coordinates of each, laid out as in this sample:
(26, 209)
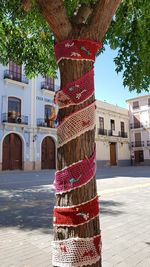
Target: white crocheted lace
(76, 252)
(76, 124)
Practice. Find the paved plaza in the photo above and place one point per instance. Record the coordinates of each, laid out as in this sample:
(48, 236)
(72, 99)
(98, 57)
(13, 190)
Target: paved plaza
(26, 204)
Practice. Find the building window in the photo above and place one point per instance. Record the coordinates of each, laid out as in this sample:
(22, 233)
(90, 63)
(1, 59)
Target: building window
(149, 102)
(15, 71)
(101, 123)
(14, 109)
(135, 104)
(136, 120)
(112, 125)
(50, 115)
(122, 127)
(49, 82)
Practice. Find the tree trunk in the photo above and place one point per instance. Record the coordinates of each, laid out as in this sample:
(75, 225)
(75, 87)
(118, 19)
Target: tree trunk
(64, 28)
(75, 150)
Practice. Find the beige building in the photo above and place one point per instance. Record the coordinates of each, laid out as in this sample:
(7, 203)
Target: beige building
(112, 135)
(139, 116)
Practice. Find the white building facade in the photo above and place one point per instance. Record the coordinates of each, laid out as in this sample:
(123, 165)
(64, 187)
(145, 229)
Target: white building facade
(27, 120)
(139, 115)
(112, 135)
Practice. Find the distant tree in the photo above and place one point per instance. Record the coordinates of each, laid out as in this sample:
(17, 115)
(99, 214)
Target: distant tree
(28, 30)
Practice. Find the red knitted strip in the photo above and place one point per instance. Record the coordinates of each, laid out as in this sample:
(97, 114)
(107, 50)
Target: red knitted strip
(76, 50)
(75, 175)
(77, 91)
(75, 215)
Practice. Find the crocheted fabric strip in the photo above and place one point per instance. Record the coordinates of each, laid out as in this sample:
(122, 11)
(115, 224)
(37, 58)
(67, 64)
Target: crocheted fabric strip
(76, 252)
(76, 124)
(76, 92)
(76, 50)
(76, 175)
(76, 215)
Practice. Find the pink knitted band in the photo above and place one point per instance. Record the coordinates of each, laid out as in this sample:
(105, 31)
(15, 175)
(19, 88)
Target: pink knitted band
(76, 124)
(76, 92)
(76, 252)
(76, 50)
(75, 175)
(76, 215)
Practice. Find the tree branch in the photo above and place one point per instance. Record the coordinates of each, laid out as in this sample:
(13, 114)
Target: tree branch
(55, 14)
(82, 15)
(101, 18)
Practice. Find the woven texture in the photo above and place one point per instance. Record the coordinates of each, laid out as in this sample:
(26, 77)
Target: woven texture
(75, 215)
(76, 124)
(76, 92)
(76, 252)
(76, 175)
(76, 50)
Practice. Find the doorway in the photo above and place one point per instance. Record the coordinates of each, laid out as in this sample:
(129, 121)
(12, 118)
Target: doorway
(48, 153)
(113, 154)
(12, 152)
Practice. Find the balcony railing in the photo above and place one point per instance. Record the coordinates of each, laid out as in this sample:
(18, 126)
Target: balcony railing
(148, 142)
(136, 107)
(8, 74)
(7, 117)
(46, 86)
(137, 144)
(102, 131)
(123, 134)
(46, 123)
(136, 125)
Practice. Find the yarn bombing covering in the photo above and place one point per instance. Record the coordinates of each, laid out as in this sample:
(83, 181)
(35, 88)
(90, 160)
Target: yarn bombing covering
(76, 252)
(76, 215)
(76, 175)
(76, 50)
(76, 92)
(76, 124)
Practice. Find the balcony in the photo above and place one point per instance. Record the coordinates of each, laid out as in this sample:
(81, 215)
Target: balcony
(46, 123)
(49, 87)
(113, 133)
(9, 118)
(123, 135)
(137, 144)
(148, 142)
(11, 75)
(102, 131)
(136, 125)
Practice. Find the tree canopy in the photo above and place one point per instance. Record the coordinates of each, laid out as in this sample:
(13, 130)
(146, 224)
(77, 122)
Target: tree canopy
(26, 38)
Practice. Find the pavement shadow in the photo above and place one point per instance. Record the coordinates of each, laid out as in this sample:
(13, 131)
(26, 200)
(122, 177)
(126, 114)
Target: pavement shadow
(108, 207)
(30, 208)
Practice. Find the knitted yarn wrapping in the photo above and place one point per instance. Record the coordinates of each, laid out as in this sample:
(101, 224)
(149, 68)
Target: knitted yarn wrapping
(76, 252)
(76, 92)
(76, 50)
(76, 215)
(76, 175)
(76, 124)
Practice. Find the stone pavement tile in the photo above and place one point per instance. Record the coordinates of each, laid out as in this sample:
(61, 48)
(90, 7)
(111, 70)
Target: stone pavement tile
(134, 260)
(144, 263)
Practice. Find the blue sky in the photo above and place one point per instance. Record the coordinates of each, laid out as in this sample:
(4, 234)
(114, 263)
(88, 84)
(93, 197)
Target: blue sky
(108, 84)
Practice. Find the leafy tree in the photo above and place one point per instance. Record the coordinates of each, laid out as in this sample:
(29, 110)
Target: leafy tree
(28, 30)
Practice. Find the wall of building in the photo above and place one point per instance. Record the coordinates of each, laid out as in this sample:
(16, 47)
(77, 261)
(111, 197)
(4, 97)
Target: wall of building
(143, 113)
(111, 112)
(33, 101)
